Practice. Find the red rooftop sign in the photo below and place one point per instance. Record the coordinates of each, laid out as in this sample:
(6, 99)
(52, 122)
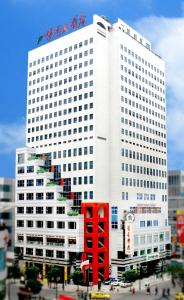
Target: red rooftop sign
(56, 32)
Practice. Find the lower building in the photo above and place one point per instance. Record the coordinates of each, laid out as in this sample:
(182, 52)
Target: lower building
(176, 211)
(3, 250)
(7, 196)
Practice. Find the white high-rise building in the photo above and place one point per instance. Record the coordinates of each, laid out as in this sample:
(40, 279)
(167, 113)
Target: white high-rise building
(96, 119)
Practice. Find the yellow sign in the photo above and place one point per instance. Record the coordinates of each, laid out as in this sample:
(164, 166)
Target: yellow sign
(65, 273)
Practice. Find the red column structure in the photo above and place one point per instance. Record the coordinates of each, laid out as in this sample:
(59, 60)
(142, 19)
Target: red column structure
(96, 239)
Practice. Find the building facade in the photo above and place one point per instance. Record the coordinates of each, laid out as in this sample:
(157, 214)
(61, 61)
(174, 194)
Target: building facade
(3, 250)
(7, 195)
(176, 211)
(96, 124)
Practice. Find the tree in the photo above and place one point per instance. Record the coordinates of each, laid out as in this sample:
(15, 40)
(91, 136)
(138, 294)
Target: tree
(53, 274)
(77, 277)
(177, 274)
(34, 285)
(130, 275)
(32, 272)
(14, 271)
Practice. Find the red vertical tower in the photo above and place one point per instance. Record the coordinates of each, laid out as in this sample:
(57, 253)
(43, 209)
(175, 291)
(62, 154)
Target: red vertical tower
(96, 239)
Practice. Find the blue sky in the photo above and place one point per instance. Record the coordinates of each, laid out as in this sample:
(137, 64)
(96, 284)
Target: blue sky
(21, 22)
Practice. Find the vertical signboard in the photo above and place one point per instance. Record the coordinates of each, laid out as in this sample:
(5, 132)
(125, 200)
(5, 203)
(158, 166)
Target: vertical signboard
(129, 219)
(180, 225)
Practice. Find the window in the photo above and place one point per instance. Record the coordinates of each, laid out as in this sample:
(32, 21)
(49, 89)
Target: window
(155, 222)
(142, 252)
(49, 210)
(60, 254)
(39, 252)
(20, 196)
(136, 240)
(60, 225)
(49, 196)
(161, 236)
(20, 223)
(20, 183)
(29, 223)
(39, 182)
(29, 251)
(149, 223)
(29, 196)
(149, 238)
(39, 196)
(72, 225)
(30, 182)
(114, 225)
(142, 239)
(142, 223)
(20, 210)
(20, 158)
(39, 210)
(30, 169)
(39, 224)
(20, 170)
(61, 210)
(50, 224)
(50, 253)
(29, 210)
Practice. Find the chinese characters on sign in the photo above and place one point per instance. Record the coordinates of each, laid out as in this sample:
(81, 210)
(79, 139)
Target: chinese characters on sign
(76, 22)
(180, 225)
(128, 233)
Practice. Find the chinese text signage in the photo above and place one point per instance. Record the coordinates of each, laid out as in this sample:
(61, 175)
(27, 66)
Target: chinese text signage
(56, 32)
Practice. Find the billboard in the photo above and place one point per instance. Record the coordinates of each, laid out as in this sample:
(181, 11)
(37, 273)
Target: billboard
(180, 225)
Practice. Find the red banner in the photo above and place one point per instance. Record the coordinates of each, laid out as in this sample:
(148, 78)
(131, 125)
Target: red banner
(180, 225)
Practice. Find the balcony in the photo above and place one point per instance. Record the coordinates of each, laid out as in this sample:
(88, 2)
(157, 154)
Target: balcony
(41, 170)
(61, 198)
(72, 213)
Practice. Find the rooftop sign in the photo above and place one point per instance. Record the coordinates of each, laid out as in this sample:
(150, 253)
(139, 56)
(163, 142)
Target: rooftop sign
(56, 32)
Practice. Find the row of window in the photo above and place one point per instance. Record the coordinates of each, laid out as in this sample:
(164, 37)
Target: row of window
(140, 240)
(70, 89)
(61, 62)
(40, 210)
(144, 71)
(143, 170)
(59, 102)
(143, 157)
(61, 52)
(66, 70)
(146, 210)
(32, 196)
(61, 133)
(40, 196)
(45, 253)
(140, 137)
(46, 224)
(142, 107)
(149, 184)
(142, 60)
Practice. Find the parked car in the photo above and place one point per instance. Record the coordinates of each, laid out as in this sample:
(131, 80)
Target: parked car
(100, 295)
(106, 282)
(125, 284)
(115, 283)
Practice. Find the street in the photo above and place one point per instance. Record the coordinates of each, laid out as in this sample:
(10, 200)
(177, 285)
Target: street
(117, 294)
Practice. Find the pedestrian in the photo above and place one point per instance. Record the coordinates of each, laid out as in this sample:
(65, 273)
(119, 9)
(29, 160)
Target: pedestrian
(133, 290)
(148, 290)
(173, 283)
(168, 292)
(163, 292)
(90, 296)
(156, 290)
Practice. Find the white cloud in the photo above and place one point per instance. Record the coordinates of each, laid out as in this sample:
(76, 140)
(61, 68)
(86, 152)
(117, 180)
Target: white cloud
(12, 136)
(166, 35)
